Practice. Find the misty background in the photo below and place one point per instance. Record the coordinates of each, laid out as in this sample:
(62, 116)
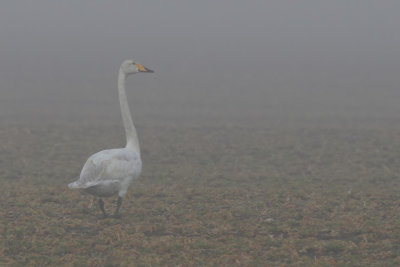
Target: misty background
(214, 61)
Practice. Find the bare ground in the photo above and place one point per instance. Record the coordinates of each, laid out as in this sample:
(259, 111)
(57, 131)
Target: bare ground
(221, 195)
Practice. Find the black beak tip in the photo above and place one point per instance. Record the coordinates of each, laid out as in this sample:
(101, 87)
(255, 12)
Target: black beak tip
(149, 71)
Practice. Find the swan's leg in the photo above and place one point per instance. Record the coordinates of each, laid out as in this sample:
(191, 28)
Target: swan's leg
(101, 205)
(119, 203)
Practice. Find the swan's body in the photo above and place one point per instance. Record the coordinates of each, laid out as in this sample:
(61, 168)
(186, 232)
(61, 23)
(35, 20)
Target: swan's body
(111, 172)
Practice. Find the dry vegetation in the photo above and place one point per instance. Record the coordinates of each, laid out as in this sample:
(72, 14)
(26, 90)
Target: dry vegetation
(208, 196)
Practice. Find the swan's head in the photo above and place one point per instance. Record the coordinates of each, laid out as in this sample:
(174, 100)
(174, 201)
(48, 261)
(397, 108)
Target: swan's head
(131, 67)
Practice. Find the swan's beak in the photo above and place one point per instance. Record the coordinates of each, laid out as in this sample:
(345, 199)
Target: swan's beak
(142, 68)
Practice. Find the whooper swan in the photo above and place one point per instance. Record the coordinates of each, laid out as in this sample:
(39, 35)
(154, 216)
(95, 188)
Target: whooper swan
(110, 172)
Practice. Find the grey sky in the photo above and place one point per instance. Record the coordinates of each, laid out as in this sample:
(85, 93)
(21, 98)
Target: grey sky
(213, 59)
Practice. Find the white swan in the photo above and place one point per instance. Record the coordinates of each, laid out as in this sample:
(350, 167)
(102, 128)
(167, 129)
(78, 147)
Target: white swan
(110, 172)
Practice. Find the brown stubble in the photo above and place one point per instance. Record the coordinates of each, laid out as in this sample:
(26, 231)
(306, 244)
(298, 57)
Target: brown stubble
(207, 196)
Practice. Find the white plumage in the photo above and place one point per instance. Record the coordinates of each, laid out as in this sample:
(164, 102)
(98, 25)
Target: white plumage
(111, 172)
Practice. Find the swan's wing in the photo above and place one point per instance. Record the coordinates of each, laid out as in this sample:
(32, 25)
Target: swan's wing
(109, 166)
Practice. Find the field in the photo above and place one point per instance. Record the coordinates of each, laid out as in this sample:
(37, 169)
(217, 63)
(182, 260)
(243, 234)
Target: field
(208, 196)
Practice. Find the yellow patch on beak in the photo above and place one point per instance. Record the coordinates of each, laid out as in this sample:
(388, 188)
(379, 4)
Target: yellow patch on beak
(141, 68)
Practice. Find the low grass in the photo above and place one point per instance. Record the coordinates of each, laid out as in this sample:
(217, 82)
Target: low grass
(208, 196)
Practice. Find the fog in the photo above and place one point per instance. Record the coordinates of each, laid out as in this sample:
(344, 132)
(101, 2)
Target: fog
(214, 61)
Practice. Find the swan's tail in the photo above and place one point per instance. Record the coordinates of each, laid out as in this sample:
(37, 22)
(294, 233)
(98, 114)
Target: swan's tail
(74, 185)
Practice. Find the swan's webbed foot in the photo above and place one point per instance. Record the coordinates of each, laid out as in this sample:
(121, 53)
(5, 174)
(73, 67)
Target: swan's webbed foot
(101, 205)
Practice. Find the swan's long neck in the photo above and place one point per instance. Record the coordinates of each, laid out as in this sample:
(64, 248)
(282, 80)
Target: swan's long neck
(130, 131)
